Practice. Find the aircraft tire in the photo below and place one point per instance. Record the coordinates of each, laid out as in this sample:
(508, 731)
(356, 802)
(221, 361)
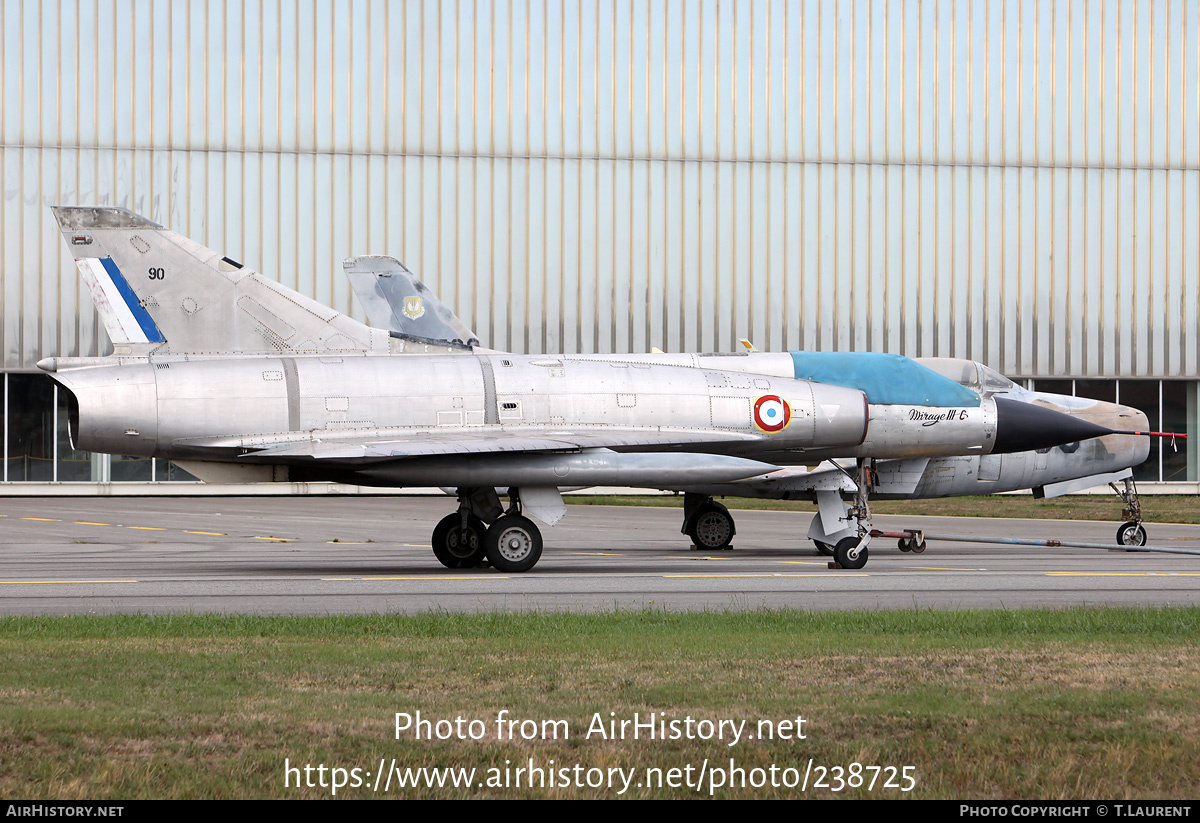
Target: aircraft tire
(1131, 534)
(712, 529)
(841, 554)
(513, 544)
(455, 549)
(824, 548)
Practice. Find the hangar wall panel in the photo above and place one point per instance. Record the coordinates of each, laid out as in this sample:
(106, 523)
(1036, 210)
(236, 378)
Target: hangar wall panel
(1014, 182)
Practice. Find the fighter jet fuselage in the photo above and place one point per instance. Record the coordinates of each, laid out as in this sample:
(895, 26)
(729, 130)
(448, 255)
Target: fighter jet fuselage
(217, 366)
(227, 408)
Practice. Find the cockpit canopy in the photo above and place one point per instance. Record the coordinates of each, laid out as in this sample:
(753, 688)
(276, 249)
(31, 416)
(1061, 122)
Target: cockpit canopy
(970, 374)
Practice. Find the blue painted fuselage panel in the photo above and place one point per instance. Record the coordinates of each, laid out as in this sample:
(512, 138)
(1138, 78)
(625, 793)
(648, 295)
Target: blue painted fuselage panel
(886, 379)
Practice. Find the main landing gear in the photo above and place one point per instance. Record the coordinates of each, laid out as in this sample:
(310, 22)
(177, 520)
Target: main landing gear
(707, 522)
(1131, 532)
(513, 543)
(458, 540)
(462, 540)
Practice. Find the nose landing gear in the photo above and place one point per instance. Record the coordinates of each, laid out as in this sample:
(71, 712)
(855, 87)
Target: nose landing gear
(1131, 533)
(842, 532)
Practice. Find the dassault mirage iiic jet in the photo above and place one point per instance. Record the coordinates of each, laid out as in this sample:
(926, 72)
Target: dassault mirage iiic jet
(1027, 460)
(238, 378)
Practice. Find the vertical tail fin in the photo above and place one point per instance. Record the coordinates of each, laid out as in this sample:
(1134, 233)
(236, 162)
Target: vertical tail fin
(157, 292)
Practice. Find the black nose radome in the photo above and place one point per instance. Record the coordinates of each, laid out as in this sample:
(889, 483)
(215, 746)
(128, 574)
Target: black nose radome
(1023, 426)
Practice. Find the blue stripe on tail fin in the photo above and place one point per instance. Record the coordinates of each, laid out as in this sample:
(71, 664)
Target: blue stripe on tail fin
(143, 318)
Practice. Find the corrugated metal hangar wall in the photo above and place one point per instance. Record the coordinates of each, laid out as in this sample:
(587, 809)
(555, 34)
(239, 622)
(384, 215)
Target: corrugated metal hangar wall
(1013, 182)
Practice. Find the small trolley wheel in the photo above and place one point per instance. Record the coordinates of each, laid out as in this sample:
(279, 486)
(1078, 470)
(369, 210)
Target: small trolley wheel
(824, 548)
(455, 547)
(905, 544)
(917, 548)
(513, 544)
(1131, 534)
(848, 555)
(712, 529)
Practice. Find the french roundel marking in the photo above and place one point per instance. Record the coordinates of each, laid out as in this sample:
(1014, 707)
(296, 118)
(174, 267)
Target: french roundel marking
(772, 413)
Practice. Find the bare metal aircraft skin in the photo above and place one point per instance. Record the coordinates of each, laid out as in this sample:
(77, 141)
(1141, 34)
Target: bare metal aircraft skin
(242, 379)
(1038, 451)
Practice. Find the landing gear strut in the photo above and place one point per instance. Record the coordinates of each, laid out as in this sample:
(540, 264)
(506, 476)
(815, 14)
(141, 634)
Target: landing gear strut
(843, 532)
(1131, 532)
(512, 543)
(707, 522)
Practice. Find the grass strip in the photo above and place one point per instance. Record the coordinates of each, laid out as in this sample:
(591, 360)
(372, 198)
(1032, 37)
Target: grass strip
(1078, 703)
(1155, 508)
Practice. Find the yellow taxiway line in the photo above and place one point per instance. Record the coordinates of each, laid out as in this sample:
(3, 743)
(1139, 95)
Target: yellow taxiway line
(432, 577)
(1122, 574)
(943, 569)
(769, 574)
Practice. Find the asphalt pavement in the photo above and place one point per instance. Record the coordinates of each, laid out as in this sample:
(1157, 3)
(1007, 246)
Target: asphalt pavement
(366, 555)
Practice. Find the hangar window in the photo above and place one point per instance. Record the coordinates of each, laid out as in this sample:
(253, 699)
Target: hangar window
(37, 441)
(1169, 405)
